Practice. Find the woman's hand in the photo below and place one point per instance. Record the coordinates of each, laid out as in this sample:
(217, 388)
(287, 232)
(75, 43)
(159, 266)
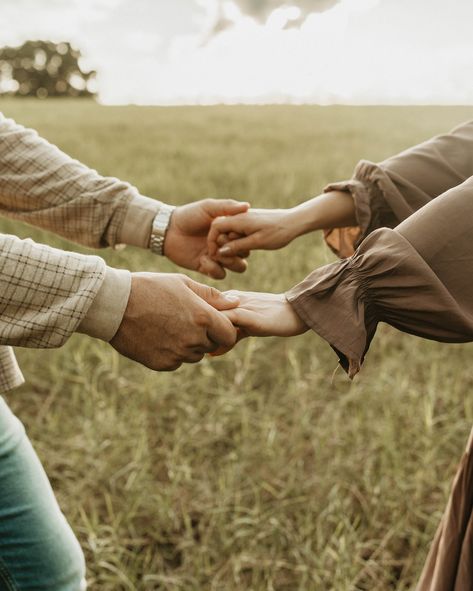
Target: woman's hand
(270, 229)
(267, 229)
(263, 315)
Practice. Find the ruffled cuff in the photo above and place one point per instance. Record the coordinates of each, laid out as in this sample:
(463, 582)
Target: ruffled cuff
(386, 280)
(334, 301)
(377, 201)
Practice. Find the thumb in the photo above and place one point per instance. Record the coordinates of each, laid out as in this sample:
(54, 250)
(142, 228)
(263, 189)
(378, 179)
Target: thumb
(222, 207)
(214, 297)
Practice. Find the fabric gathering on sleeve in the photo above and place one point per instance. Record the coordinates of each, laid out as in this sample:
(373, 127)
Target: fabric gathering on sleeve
(387, 193)
(416, 277)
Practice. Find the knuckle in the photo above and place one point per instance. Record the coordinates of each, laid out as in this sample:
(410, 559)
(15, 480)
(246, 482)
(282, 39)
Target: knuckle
(172, 366)
(213, 293)
(195, 358)
(201, 318)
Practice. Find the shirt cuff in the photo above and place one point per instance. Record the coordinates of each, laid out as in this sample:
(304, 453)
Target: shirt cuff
(106, 312)
(136, 227)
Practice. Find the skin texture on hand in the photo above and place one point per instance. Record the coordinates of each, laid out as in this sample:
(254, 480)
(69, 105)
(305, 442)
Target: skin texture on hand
(186, 239)
(263, 315)
(270, 229)
(267, 229)
(170, 320)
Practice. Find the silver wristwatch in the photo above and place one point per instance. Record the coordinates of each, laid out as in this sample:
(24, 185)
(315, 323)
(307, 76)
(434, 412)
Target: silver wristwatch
(159, 228)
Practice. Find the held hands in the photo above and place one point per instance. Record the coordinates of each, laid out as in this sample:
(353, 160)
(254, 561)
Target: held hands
(267, 229)
(171, 319)
(262, 315)
(186, 239)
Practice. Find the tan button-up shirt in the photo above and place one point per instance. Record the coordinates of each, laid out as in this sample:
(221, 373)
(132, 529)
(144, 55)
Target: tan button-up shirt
(47, 293)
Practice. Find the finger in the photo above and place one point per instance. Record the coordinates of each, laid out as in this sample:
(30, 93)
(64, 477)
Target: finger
(222, 350)
(208, 266)
(223, 239)
(212, 296)
(194, 356)
(224, 225)
(205, 345)
(240, 245)
(224, 207)
(235, 264)
(244, 320)
(224, 261)
(220, 330)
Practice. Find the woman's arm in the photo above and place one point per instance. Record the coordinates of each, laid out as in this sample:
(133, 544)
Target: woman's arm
(416, 277)
(271, 229)
(378, 195)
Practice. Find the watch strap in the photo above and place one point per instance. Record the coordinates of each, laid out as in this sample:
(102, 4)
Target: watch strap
(159, 228)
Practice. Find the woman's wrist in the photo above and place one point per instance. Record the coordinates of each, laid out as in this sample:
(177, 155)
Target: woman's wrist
(301, 220)
(334, 209)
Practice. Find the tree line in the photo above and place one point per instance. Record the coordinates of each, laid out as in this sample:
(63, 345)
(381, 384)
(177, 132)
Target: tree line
(45, 69)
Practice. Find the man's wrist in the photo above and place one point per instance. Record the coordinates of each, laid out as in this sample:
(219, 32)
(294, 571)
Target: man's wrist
(105, 315)
(136, 228)
(159, 228)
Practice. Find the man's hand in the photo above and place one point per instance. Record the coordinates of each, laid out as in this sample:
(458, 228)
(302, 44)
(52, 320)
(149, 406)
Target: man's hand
(171, 319)
(186, 239)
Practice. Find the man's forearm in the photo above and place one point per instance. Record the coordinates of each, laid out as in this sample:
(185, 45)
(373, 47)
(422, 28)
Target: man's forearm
(43, 186)
(47, 294)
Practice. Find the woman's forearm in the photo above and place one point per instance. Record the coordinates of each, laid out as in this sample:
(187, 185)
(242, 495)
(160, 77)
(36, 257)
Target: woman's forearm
(335, 209)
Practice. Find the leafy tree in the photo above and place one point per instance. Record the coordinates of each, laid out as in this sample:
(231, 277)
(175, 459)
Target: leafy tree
(42, 69)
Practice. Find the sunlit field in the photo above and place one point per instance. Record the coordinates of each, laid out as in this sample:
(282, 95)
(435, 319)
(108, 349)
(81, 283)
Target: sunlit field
(266, 469)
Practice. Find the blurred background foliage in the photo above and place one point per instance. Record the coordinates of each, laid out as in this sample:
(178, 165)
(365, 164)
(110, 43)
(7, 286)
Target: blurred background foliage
(45, 69)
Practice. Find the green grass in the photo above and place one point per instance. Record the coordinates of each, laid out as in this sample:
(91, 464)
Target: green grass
(262, 470)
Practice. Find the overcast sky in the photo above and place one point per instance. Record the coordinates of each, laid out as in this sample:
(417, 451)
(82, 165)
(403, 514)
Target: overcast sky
(253, 51)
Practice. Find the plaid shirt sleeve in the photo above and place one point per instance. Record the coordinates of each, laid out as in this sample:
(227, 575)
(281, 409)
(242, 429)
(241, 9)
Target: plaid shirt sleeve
(47, 294)
(44, 187)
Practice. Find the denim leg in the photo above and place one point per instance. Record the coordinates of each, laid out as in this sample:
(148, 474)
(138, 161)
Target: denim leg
(38, 550)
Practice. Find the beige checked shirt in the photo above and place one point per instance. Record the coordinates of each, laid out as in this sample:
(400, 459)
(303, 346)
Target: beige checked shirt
(47, 294)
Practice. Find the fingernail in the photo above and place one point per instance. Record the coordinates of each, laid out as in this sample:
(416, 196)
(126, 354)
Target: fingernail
(225, 250)
(230, 298)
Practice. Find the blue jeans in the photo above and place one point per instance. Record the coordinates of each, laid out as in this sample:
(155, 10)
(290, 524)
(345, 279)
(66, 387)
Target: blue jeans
(38, 551)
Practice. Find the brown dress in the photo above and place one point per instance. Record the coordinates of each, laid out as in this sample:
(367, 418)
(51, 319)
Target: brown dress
(413, 269)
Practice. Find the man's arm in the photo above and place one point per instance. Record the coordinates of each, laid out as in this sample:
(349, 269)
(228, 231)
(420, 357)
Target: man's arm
(44, 187)
(159, 320)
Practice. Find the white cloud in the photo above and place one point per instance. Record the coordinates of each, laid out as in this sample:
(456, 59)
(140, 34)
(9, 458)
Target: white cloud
(159, 51)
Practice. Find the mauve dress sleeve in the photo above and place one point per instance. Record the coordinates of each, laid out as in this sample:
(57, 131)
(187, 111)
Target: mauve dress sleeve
(417, 277)
(387, 193)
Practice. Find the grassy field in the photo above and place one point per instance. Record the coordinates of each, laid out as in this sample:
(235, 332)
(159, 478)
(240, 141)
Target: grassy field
(263, 470)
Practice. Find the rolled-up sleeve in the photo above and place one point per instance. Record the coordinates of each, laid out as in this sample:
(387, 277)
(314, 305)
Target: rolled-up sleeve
(387, 193)
(417, 277)
(46, 292)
